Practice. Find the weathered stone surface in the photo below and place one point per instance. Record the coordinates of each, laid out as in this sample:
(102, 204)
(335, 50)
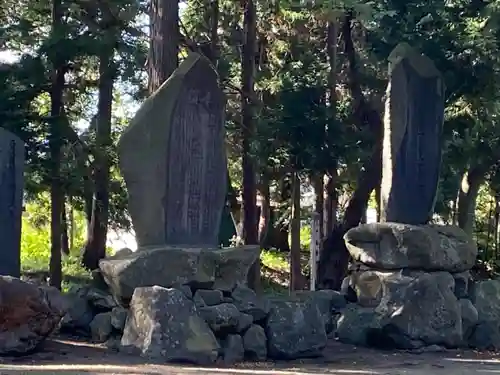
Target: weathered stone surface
(232, 349)
(367, 286)
(485, 296)
(255, 343)
(355, 325)
(118, 318)
(210, 297)
(100, 299)
(28, 315)
(11, 201)
(244, 322)
(425, 247)
(419, 306)
(248, 302)
(486, 336)
(79, 314)
(413, 123)
(164, 324)
(462, 281)
(222, 318)
(170, 155)
(327, 301)
(101, 327)
(295, 330)
(168, 266)
(469, 318)
(417, 309)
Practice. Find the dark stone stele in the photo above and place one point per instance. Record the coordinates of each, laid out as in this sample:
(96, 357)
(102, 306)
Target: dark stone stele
(413, 126)
(11, 202)
(173, 160)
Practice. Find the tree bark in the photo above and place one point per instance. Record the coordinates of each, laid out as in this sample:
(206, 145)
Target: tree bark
(64, 235)
(317, 180)
(95, 247)
(164, 41)
(296, 281)
(331, 203)
(55, 145)
(334, 258)
(250, 232)
(467, 196)
(265, 210)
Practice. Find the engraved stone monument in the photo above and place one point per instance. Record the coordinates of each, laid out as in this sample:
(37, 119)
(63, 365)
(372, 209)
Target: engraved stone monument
(413, 124)
(173, 160)
(11, 201)
(405, 268)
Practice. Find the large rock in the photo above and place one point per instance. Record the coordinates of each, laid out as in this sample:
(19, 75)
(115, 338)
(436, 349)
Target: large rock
(170, 266)
(413, 127)
(28, 315)
(416, 309)
(163, 324)
(424, 247)
(485, 296)
(421, 307)
(295, 330)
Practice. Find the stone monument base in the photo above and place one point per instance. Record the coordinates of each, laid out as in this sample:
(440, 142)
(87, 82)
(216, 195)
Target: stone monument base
(408, 284)
(169, 266)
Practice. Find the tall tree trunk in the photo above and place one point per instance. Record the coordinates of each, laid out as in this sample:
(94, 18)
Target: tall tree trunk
(164, 41)
(71, 224)
(317, 180)
(331, 203)
(64, 235)
(467, 196)
(265, 210)
(55, 145)
(250, 232)
(214, 31)
(330, 188)
(334, 258)
(296, 280)
(95, 247)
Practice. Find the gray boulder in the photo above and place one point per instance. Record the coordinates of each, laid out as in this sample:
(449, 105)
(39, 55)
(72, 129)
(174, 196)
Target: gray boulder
(249, 303)
(118, 318)
(255, 343)
(210, 297)
(486, 336)
(223, 318)
(485, 295)
(164, 324)
(232, 349)
(470, 318)
(422, 247)
(170, 266)
(101, 327)
(419, 306)
(355, 325)
(295, 330)
(28, 315)
(78, 316)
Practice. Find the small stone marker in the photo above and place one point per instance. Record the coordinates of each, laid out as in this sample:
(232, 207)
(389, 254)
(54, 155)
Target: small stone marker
(173, 159)
(11, 202)
(413, 123)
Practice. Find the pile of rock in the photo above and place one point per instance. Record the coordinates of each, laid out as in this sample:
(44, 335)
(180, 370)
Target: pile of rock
(193, 324)
(28, 315)
(411, 285)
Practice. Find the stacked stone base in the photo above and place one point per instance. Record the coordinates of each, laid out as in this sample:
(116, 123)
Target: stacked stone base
(192, 306)
(412, 290)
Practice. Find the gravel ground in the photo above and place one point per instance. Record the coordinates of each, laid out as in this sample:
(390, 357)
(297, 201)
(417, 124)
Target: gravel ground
(63, 356)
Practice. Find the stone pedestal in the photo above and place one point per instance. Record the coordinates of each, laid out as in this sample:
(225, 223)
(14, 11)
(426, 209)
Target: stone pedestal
(169, 266)
(404, 276)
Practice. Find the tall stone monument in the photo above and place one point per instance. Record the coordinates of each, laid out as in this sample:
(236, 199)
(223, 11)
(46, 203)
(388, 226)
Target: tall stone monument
(405, 269)
(11, 201)
(413, 124)
(173, 159)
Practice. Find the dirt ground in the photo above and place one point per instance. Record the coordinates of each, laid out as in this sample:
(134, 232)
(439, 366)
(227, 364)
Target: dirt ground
(71, 357)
